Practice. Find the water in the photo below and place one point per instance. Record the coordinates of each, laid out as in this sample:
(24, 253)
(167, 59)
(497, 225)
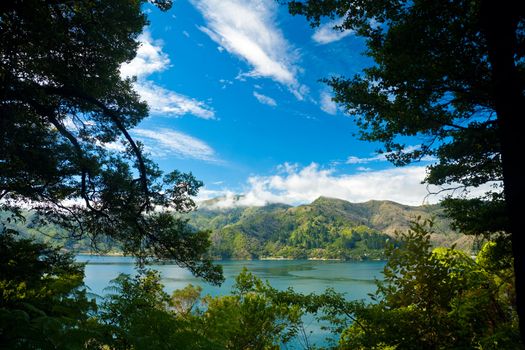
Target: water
(356, 279)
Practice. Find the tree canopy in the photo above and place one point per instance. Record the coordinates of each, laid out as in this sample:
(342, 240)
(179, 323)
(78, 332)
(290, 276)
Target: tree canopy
(62, 101)
(452, 75)
(431, 79)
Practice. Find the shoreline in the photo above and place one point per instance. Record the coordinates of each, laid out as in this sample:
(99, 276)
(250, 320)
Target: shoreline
(215, 259)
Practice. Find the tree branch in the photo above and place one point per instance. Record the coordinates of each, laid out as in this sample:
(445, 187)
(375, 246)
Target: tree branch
(115, 117)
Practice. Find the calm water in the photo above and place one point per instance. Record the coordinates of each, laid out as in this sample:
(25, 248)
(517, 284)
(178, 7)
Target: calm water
(356, 279)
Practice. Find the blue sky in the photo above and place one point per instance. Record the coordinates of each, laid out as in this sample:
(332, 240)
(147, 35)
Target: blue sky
(235, 98)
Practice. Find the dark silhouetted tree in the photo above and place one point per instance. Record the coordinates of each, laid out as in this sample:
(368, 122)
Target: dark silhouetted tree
(452, 74)
(62, 100)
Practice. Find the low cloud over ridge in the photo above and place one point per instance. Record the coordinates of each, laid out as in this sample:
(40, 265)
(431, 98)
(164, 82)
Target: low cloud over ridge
(295, 185)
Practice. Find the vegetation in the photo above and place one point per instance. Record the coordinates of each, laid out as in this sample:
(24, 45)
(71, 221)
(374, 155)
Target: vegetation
(43, 304)
(327, 228)
(430, 298)
(451, 73)
(62, 100)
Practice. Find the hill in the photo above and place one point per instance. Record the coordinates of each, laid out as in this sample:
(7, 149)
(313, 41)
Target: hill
(327, 228)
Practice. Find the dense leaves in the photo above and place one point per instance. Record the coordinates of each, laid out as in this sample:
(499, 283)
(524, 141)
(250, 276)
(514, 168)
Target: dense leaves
(140, 315)
(43, 304)
(438, 299)
(431, 78)
(62, 102)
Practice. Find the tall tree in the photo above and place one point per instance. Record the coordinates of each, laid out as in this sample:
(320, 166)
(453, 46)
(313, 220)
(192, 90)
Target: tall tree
(62, 100)
(451, 73)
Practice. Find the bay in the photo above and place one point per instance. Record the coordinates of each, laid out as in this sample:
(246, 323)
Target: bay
(356, 279)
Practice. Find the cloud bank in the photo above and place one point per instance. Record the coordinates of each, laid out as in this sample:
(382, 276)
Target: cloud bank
(295, 185)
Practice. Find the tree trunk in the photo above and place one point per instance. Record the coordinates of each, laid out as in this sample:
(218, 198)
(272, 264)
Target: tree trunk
(499, 24)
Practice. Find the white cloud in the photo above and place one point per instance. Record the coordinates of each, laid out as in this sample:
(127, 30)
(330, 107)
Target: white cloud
(165, 142)
(295, 185)
(114, 146)
(326, 33)
(169, 103)
(264, 99)
(247, 29)
(151, 59)
(365, 160)
(382, 157)
(327, 105)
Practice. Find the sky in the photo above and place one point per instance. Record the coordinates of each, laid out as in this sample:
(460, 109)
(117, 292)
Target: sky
(235, 97)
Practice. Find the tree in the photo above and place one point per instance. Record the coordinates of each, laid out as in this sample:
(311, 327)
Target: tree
(62, 101)
(43, 302)
(430, 299)
(138, 315)
(452, 74)
(439, 299)
(254, 316)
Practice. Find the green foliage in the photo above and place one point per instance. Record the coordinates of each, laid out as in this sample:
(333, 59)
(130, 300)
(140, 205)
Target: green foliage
(43, 302)
(327, 228)
(437, 298)
(62, 100)
(252, 317)
(140, 315)
(431, 78)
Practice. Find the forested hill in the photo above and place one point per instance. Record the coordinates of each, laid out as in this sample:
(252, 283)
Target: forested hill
(326, 228)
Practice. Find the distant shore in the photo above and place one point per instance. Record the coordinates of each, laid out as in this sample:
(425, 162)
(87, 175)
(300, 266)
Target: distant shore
(263, 258)
(100, 254)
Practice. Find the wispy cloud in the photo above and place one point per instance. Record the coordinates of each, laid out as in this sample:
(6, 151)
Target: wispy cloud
(166, 142)
(382, 157)
(327, 105)
(264, 99)
(169, 103)
(248, 30)
(151, 59)
(326, 33)
(365, 160)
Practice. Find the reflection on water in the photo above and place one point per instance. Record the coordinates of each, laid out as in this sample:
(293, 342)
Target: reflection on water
(356, 279)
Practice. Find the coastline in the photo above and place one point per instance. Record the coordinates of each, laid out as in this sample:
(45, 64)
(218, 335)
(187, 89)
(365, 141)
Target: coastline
(218, 259)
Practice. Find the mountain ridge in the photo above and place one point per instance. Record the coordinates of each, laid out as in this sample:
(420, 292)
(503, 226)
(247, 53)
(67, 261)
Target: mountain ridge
(325, 228)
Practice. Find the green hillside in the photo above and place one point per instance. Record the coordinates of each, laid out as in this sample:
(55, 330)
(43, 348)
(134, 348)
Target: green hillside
(327, 228)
